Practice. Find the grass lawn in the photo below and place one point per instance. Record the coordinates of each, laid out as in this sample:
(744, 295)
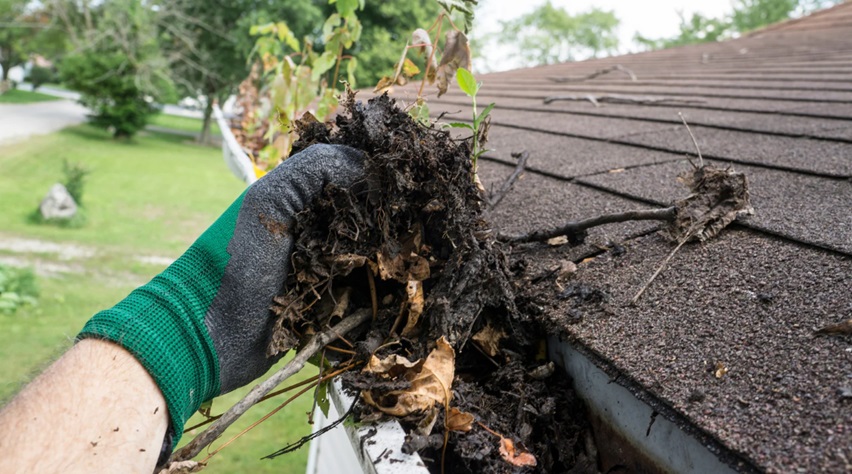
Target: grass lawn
(16, 96)
(185, 124)
(149, 197)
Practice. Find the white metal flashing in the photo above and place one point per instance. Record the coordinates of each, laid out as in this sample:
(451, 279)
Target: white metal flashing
(373, 448)
(662, 441)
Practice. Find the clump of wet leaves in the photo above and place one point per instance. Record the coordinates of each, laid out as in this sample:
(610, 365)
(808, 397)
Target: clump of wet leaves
(448, 352)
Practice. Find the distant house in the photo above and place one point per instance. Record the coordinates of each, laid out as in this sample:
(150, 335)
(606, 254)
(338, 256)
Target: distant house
(721, 347)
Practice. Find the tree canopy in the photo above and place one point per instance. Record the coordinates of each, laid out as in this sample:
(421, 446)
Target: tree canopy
(550, 35)
(747, 15)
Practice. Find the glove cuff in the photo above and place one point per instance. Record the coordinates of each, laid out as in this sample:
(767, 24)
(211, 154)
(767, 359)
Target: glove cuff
(162, 323)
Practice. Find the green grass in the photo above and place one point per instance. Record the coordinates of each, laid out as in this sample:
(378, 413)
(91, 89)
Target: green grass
(184, 124)
(16, 96)
(152, 196)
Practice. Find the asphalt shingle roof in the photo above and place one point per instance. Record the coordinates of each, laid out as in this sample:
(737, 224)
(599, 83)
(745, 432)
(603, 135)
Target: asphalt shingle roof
(776, 105)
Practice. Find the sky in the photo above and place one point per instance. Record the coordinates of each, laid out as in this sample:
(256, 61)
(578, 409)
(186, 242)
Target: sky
(651, 18)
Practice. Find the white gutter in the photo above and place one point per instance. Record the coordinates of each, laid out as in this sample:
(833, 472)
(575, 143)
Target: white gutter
(238, 162)
(372, 448)
(616, 412)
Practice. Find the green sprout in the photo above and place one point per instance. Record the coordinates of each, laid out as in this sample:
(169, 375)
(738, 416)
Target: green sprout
(467, 83)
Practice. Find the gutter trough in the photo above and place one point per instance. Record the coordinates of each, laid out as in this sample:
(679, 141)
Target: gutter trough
(633, 435)
(633, 431)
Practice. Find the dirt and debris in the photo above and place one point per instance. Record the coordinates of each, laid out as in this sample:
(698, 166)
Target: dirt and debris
(447, 334)
(455, 348)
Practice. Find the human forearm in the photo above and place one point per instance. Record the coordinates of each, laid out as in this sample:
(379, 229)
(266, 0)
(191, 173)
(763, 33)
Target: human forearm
(95, 409)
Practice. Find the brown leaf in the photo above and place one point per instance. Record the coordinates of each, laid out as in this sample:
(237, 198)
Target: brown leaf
(414, 290)
(488, 339)
(402, 269)
(515, 456)
(383, 84)
(842, 328)
(343, 264)
(717, 197)
(458, 420)
(456, 55)
(430, 383)
(391, 366)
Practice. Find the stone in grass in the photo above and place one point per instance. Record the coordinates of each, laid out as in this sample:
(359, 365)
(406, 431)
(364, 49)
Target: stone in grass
(58, 204)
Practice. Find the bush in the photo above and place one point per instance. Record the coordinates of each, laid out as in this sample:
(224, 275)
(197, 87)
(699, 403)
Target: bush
(40, 76)
(75, 179)
(107, 84)
(17, 288)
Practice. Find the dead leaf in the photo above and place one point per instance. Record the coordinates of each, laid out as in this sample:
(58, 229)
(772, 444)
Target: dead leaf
(488, 339)
(456, 55)
(391, 366)
(343, 264)
(421, 37)
(409, 68)
(721, 370)
(718, 196)
(843, 328)
(515, 456)
(383, 84)
(414, 290)
(430, 383)
(402, 269)
(458, 420)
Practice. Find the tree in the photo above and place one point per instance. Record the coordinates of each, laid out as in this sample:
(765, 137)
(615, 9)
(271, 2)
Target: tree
(747, 15)
(752, 14)
(13, 35)
(549, 35)
(117, 65)
(387, 25)
(213, 62)
(698, 29)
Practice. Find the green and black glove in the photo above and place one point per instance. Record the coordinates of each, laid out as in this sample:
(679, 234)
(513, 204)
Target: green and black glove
(202, 326)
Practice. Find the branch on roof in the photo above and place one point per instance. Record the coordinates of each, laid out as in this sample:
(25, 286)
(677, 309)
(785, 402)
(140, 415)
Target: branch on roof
(621, 99)
(575, 230)
(495, 198)
(599, 72)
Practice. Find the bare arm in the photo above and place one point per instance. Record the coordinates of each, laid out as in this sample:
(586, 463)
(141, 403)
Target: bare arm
(96, 409)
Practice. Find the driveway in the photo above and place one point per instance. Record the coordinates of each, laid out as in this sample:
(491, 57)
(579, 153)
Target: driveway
(18, 121)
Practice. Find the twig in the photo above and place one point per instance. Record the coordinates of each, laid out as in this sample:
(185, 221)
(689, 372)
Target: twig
(689, 233)
(620, 99)
(694, 142)
(574, 228)
(599, 72)
(510, 181)
(256, 394)
(656, 273)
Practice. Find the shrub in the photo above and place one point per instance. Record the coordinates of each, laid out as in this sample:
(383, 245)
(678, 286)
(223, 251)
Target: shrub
(75, 179)
(17, 288)
(40, 76)
(108, 86)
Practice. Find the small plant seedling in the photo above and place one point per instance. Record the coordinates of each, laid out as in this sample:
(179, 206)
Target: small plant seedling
(479, 126)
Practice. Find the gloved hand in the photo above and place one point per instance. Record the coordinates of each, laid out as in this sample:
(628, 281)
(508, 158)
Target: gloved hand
(202, 326)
